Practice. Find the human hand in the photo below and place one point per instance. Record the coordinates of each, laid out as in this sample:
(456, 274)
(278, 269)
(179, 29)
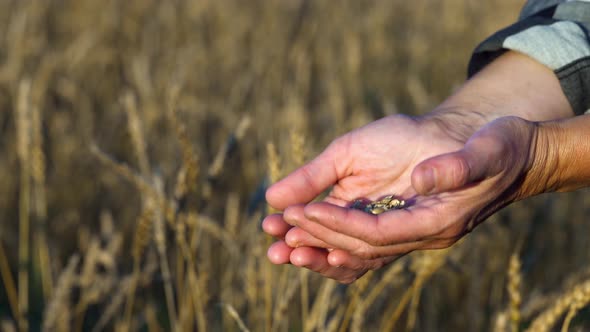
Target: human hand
(370, 162)
(462, 188)
(379, 159)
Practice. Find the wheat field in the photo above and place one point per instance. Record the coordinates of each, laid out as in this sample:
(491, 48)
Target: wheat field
(138, 137)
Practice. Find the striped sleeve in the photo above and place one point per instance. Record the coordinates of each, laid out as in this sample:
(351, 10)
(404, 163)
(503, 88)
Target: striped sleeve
(555, 33)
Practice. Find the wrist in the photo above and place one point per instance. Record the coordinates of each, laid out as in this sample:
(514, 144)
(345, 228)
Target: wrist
(542, 169)
(562, 153)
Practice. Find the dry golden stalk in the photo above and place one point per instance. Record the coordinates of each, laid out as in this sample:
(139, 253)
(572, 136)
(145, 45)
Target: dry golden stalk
(335, 321)
(232, 214)
(274, 167)
(195, 285)
(23, 125)
(89, 266)
(356, 290)
(168, 208)
(514, 284)
(252, 288)
(7, 326)
(320, 307)
(136, 132)
(57, 311)
(430, 263)
(222, 154)
(304, 293)
(8, 281)
(234, 314)
(186, 321)
(196, 288)
(160, 241)
(153, 325)
(187, 183)
(40, 203)
(86, 281)
(578, 296)
(581, 299)
(205, 223)
(116, 301)
(388, 278)
(16, 35)
(298, 150)
(283, 302)
(424, 265)
(124, 170)
(501, 322)
(142, 236)
(140, 242)
(273, 162)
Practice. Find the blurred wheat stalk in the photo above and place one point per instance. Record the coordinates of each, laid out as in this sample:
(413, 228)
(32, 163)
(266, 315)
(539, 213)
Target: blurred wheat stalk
(144, 133)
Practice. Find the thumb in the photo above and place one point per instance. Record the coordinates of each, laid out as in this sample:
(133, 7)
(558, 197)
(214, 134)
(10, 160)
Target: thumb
(310, 180)
(482, 157)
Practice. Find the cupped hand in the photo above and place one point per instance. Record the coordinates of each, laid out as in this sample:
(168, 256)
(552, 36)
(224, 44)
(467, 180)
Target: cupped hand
(369, 163)
(451, 186)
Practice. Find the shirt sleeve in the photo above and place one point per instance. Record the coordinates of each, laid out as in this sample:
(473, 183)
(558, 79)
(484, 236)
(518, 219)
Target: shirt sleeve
(555, 33)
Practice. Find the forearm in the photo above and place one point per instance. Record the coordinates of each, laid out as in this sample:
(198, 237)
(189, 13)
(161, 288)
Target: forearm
(512, 85)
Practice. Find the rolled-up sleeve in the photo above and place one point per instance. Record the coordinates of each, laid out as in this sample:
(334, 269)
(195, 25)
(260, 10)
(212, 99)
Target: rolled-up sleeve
(556, 34)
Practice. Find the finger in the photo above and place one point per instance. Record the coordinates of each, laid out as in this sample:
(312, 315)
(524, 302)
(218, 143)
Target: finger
(341, 258)
(279, 253)
(481, 157)
(296, 237)
(311, 233)
(314, 234)
(315, 259)
(393, 227)
(310, 180)
(275, 226)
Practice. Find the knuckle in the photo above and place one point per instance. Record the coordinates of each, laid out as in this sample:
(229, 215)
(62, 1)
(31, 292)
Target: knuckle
(460, 173)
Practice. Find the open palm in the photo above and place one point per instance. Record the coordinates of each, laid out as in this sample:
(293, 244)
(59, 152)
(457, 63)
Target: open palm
(451, 186)
(370, 162)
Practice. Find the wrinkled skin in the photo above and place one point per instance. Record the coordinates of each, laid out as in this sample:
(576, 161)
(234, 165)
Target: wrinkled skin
(451, 184)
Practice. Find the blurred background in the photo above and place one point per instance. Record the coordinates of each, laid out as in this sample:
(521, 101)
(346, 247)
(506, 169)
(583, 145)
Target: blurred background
(137, 138)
